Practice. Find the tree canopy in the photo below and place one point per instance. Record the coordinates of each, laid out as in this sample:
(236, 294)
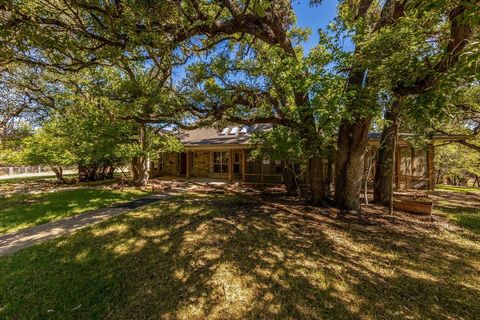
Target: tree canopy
(141, 67)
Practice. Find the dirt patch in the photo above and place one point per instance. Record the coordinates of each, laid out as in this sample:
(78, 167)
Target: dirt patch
(372, 218)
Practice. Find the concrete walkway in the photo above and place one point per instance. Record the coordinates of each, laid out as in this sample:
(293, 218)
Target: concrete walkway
(15, 241)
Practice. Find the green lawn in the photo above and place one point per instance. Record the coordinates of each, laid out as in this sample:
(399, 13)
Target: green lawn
(460, 205)
(456, 188)
(222, 257)
(465, 216)
(51, 178)
(20, 211)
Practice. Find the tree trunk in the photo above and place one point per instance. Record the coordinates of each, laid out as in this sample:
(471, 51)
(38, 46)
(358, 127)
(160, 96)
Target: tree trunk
(349, 164)
(87, 173)
(392, 156)
(139, 171)
(382, 186)
(316, 179)
(290, 178)
(110, 172)
(58, 173)
(327, 186)
(140, 162)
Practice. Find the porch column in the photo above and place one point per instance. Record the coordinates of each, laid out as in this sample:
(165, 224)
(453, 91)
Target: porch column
(431, 166)
(230, 164)
(244, 164)
(188, 164)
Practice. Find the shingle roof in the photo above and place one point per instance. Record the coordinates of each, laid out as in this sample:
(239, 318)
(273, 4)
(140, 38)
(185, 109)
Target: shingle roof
(242, 135)
(228, 136)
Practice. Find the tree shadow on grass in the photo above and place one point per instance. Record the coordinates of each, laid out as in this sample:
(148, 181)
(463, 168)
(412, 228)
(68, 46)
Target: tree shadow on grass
(226, 258)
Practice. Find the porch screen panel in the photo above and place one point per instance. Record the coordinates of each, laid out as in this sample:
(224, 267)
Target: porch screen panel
(254, 166)
(405, 161)
(421, 163)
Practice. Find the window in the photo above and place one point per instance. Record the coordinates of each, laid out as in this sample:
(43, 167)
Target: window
(220, 162)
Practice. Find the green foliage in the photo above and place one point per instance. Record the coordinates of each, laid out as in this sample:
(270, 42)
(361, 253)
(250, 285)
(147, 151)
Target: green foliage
(457, 163)
(259, 83)
(47, 147)
(165, 142)
(280, 143)
(12, 143)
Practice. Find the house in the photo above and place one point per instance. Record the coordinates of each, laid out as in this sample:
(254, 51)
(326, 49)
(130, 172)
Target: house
(220, 154)
(225, 154)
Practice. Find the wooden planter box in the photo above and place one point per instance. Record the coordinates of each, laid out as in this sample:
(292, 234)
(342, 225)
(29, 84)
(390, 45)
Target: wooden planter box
(412, 205)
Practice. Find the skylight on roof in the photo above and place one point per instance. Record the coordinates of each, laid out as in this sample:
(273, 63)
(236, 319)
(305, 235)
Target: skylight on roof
(234, 130)
(224, 131)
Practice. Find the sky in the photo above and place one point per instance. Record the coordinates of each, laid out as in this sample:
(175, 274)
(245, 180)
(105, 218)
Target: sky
(314, 17)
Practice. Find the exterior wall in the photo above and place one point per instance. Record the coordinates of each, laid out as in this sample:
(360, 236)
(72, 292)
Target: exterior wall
(170, 165)
(200, 163)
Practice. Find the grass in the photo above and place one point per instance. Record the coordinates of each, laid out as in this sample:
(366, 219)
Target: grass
(20, 211)
(456, 188)
(459, 206)
(464, 216)
(15, 180)
(222, 257)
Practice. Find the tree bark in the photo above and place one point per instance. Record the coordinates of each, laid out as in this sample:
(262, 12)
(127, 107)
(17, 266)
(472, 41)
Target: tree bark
(58, 173)
(290, 179)
(392, 155)
(353, 134)
(384, 169)
(87, 173)
(110, 172)
(327, 187)
(140, 163)
(349, 165)
(316, 179)
(140, 171)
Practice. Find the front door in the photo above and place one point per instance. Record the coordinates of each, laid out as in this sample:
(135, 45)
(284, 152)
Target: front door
(183, 163)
